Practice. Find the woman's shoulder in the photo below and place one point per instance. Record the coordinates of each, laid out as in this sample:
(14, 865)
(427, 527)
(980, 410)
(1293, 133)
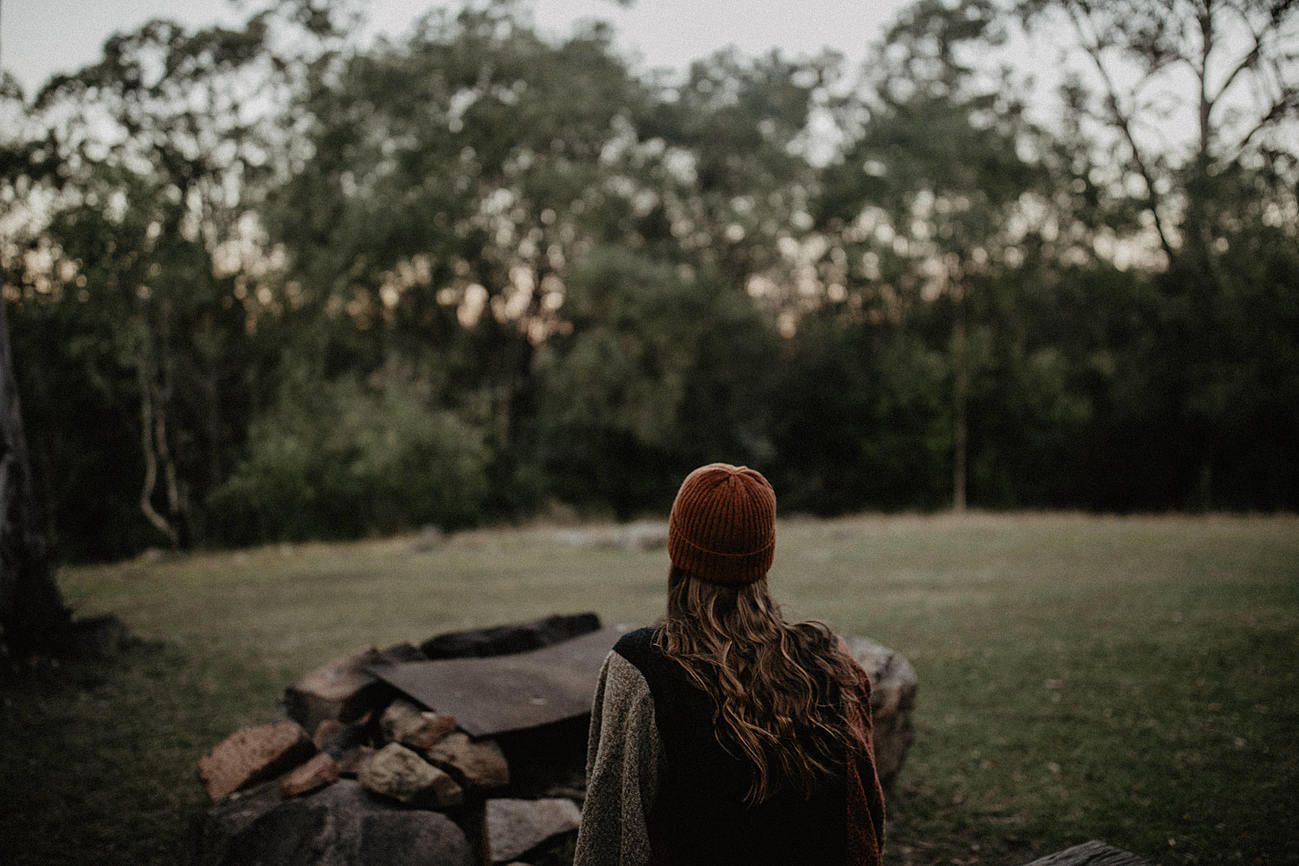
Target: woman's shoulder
(637, 645)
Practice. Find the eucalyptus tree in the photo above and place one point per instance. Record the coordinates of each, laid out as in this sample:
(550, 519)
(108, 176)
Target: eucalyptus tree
(926, 205)
(32, 613)
(448, 182)
(1194, 106)
(737, 145)
(720, 182)
(1193, 93)
(141, 242)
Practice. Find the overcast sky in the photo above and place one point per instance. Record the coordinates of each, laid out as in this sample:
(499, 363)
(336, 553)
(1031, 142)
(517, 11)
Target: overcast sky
(41, 37)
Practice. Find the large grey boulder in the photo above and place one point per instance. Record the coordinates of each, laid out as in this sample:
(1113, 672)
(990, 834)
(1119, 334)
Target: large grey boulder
(339, 826)
(515, 827)
(893, 696)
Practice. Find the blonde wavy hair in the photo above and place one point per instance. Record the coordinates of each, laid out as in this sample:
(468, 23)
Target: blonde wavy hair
(781, 691)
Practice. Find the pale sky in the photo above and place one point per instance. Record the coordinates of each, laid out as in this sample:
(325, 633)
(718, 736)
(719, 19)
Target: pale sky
(41, 37)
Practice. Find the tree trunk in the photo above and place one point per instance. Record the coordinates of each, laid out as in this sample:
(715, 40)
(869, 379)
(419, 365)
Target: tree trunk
(152, 425)
(32, 614)
(960, 389)
(960, 431)
(155, 376)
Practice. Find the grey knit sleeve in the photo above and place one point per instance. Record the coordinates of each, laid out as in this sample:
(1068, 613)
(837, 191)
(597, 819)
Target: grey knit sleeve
(622, 767)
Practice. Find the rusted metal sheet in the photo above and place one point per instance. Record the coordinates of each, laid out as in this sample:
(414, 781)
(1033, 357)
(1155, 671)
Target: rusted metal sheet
(490, 696)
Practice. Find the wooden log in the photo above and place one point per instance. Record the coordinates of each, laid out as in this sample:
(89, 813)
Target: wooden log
(1093, 853)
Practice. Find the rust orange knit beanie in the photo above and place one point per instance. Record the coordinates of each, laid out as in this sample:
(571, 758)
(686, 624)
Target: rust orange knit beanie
(723, 525)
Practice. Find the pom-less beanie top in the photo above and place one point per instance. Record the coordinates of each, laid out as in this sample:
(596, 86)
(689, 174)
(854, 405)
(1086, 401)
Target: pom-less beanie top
(722, 528)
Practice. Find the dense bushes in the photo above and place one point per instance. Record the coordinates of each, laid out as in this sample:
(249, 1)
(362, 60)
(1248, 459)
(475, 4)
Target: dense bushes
(341, 460)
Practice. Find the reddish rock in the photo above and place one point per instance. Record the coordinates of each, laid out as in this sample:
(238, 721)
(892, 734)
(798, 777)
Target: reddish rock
(252, 755)
(414, 727)
(315, 773)
(482, 764)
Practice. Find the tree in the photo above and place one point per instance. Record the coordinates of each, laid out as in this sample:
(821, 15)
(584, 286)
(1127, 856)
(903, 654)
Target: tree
(32, 613)
(663, 370)
(733, 182)
(148, 149)
(1211, 202)
(33, 617)
(451, 180)
(1227, 67)
(923, 200)
(143, 259)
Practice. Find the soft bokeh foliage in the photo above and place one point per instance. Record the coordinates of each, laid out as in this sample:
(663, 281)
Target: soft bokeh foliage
(273, 281)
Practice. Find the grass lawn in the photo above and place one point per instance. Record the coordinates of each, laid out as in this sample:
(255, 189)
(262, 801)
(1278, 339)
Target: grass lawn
(1134, 680)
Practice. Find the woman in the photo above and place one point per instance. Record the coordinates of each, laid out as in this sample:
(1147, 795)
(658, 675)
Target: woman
(726, 735)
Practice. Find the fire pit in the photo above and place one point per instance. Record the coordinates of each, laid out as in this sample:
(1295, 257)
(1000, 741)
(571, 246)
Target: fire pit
(467, 749)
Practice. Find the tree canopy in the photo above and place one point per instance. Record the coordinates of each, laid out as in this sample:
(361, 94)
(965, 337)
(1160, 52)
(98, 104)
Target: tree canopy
(274, 281)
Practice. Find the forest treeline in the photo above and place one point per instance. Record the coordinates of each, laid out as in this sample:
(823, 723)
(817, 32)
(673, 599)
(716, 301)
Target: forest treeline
(273, 281)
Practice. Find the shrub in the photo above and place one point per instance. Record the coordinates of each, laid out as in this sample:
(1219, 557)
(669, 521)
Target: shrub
(340, 460)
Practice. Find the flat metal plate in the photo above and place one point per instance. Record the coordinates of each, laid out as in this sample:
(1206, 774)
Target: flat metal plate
(490, 696)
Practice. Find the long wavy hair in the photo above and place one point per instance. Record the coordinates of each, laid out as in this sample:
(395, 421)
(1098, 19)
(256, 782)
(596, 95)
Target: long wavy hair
(781, 691)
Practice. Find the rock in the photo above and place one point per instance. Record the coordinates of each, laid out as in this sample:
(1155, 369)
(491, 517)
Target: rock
(341, 690)
(351, 761)
(413, 837)
(482, 764)
(327, 732)
(337, 739)
(893, 696)
(406, 723)
(399, 652)
(490, 696)
(515, 827)
(252, 755)
(339, 826)
(315, 773)
(397, 772)
(506, 639)
(209, 833)
(344, 690)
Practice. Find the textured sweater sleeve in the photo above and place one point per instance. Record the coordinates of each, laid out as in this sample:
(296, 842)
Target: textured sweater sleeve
(622, 766)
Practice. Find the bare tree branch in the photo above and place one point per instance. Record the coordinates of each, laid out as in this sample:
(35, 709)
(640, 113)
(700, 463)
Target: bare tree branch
(1092, 46)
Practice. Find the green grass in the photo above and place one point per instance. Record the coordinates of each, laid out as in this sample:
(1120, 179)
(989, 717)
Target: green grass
(1128, 679)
